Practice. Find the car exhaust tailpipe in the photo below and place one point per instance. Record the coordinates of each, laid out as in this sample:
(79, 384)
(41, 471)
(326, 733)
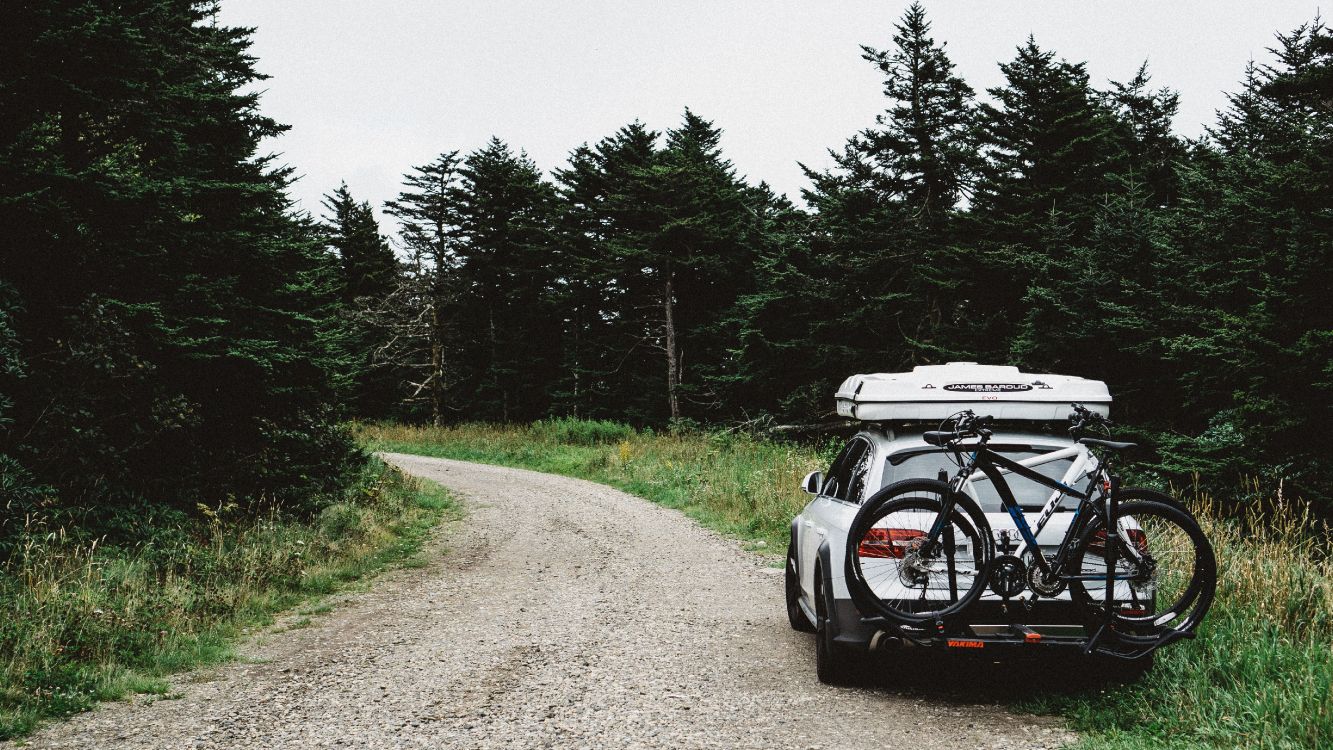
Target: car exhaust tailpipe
(882, 641)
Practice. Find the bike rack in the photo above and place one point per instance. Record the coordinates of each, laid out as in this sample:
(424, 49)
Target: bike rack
(1105, 641)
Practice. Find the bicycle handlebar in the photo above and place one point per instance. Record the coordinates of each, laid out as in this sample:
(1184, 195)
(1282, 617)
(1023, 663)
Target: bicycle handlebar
(968, 422)
(966, 425)
(1081, 418)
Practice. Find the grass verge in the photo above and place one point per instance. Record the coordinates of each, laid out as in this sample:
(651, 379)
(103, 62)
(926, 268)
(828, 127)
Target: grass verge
(81, 623)
(1260, 674)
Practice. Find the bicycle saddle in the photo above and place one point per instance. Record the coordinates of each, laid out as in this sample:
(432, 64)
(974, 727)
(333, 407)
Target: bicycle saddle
(936, 437)
(1107, 444)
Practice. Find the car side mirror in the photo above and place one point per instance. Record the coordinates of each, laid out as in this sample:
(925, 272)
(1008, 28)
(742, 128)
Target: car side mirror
(812, 482)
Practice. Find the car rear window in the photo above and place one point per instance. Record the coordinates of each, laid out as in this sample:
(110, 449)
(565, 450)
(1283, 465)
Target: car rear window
(915, 464)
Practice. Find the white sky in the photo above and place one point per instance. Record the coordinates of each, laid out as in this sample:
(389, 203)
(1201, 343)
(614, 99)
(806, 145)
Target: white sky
(374, 87)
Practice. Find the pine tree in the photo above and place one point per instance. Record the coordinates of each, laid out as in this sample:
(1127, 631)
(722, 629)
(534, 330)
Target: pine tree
(1148, 152)
(580, 294)
(1047, 140)
(1256, 233)
(613, 193)
(508, 329)
(782, 363)
(665, 228)
(880, 239)
(921, 152)
(704, 255)
(1049, 144)
(170, 300)
(1117, 244)
(366, 276)
(369, 267)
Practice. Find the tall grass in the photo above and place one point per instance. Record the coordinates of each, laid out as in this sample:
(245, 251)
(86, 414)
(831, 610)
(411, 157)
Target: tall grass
(80, 622)
(1258, 675)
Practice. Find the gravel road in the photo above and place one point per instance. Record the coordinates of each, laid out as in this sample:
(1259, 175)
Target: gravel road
(559, 613)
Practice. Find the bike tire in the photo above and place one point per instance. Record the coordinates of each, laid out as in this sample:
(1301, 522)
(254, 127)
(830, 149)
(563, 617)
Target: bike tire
(1183, 570)
(886, 579)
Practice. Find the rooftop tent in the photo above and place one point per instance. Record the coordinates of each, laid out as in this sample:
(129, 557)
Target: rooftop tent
(934, 392)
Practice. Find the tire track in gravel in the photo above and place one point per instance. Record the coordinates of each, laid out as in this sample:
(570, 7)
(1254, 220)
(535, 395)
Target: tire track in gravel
(564, 614)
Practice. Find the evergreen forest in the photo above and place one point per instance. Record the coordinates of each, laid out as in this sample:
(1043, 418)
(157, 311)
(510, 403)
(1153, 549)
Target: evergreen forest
(175, 335)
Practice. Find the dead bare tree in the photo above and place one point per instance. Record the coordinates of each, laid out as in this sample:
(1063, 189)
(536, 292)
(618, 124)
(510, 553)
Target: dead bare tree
(411, 329)
(414, 316)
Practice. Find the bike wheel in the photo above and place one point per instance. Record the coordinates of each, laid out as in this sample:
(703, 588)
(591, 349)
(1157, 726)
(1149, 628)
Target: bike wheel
(892, 572)
(1165, 572)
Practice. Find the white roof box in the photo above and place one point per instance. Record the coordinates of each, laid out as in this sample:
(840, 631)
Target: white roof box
(934, 392)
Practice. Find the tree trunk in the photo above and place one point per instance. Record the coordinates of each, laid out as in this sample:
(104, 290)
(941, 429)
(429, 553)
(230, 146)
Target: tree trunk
(577, 317)
(502, 387)
(673, 368)
(436, 367)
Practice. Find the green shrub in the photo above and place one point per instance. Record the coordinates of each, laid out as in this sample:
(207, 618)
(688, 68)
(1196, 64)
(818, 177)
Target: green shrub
(339, 520)
(570, 431)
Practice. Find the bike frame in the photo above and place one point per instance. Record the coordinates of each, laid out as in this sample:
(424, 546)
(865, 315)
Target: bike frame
(990, 465)
(987, 465)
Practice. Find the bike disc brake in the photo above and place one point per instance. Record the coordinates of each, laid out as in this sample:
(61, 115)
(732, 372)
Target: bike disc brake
(1038, 583)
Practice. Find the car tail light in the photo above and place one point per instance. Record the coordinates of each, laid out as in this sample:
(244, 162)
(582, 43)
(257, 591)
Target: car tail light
(1136, 537)
(887, 542)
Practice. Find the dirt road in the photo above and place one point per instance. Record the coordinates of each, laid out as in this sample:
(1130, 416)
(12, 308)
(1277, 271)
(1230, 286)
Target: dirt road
(558, 613)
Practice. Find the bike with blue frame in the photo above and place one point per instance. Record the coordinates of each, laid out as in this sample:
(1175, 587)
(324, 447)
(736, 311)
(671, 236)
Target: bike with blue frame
(1136, 563)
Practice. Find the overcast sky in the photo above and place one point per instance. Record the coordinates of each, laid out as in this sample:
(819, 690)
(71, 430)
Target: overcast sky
(374, 87)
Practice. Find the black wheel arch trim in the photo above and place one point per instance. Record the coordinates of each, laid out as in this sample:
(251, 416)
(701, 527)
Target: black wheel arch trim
(825, 570)
(794, 549)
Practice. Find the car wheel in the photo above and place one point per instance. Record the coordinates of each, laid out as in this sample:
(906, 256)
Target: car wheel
(795, 615)
(832, 663)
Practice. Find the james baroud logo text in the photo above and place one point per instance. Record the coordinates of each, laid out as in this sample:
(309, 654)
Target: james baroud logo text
(988, 387)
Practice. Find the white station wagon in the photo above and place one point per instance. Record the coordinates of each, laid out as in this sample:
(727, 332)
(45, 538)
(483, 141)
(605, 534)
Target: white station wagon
(895, 409)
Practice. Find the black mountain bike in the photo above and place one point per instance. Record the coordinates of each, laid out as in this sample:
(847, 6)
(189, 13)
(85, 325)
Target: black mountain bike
(921, 551)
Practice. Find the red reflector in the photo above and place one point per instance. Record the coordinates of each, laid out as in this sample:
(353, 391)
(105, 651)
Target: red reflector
(1032, 637)
(887, 542)
(967, 644)
(1134, 612)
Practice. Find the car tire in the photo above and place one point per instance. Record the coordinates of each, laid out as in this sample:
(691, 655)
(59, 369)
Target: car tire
(833, 665)
(795, 615)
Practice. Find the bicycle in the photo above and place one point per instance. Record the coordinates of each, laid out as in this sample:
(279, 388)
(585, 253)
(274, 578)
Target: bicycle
(920, 552)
